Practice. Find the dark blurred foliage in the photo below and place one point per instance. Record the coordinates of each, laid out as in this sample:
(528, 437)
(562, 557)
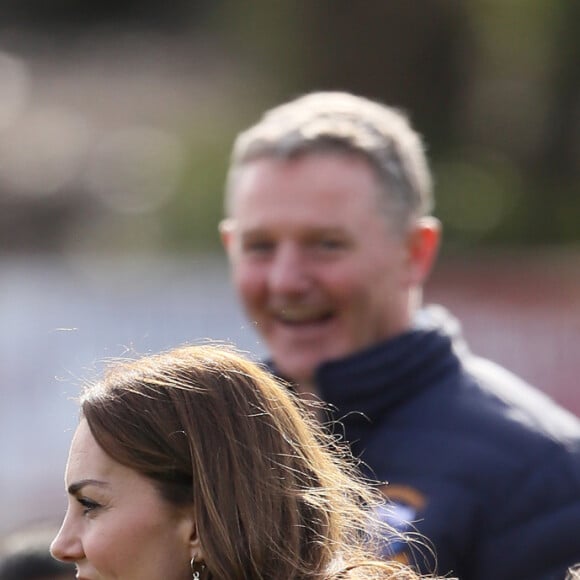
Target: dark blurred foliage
(75, 14)
(493, 86)
(416, 56)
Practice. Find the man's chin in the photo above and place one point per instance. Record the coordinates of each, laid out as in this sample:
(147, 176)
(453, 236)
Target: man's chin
(293, 370)
(300, 369)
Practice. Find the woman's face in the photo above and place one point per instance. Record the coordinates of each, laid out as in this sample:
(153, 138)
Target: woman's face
(117, 525)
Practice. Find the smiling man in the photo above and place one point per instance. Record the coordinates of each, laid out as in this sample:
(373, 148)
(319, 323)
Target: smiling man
(330, 237)
(314, 263)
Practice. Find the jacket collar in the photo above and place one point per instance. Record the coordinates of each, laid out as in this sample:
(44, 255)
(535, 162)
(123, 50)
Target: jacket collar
(380, 377)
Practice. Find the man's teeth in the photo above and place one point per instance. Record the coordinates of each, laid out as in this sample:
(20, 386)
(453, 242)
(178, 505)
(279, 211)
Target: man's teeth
(301, 315)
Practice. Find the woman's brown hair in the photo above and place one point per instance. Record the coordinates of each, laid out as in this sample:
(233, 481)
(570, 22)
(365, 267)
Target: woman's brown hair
(273, 495)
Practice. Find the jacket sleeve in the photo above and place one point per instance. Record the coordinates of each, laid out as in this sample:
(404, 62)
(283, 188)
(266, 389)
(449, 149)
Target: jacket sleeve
(537, 534)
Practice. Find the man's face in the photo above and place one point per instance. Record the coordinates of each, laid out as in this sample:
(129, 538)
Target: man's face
(315, 262)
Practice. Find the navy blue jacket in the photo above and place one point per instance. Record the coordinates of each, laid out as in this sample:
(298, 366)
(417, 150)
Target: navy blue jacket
(487, 467)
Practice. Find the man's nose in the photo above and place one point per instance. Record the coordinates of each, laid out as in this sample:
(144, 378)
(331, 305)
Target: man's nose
(289, 272)
(67, 545)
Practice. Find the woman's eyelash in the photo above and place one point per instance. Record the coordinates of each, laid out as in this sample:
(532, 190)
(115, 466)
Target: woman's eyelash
(88, 505)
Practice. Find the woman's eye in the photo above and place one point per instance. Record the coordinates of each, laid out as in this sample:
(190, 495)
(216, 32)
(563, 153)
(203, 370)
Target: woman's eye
(88, 505)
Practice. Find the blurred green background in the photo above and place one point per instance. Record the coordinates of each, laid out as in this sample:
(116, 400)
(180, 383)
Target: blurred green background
(116, 118)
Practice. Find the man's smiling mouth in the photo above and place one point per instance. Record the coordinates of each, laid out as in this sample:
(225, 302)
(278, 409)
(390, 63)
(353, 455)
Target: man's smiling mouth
(302, 315)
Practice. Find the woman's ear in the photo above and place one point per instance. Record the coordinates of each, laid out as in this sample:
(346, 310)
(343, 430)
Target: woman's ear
(197, 557)
(189, 535)
(195, 548)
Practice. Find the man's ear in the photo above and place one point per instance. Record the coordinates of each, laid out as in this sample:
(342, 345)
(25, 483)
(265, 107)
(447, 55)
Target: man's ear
(226, 228)
(423, 244)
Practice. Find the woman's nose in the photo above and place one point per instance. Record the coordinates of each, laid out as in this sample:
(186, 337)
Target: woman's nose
(67, 545)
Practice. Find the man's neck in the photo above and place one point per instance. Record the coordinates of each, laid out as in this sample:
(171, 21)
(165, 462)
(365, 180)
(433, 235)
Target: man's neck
(308, 390)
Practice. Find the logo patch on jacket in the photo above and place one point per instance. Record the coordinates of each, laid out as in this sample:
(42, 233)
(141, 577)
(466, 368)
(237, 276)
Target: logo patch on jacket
(400, 512)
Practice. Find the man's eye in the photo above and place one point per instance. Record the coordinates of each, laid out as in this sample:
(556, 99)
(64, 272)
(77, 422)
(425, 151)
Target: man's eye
(258, 246)
(330, 244)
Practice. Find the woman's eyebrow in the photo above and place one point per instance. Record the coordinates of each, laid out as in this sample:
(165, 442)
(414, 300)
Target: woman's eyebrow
(74, 488)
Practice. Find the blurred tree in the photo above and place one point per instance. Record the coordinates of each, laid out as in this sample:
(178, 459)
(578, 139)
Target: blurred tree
(415, 55)
(555, 165)
(493, 86)
(75, 13)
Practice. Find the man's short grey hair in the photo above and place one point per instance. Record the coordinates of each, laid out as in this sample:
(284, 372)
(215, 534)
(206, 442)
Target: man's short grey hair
(341, 122)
